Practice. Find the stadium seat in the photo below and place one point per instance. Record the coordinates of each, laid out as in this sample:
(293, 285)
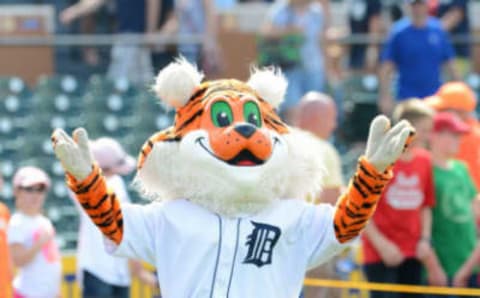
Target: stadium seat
(100, 84)
(360, 89)
(59, 84)
(13, 86)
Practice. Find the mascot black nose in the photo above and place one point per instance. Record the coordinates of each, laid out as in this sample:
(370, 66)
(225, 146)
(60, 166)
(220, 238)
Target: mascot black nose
(246, 130)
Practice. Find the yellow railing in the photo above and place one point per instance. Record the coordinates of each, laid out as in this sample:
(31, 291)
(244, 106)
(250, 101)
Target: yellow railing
(70, 287)
(360, 288)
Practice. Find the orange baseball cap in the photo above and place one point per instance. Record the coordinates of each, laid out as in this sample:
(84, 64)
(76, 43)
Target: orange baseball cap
(453, 95)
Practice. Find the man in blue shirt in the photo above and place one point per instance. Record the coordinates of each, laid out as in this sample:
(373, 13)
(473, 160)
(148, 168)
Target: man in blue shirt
(417, 48)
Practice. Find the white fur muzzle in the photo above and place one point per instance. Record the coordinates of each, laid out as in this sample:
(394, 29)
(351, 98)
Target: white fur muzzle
(182, 170)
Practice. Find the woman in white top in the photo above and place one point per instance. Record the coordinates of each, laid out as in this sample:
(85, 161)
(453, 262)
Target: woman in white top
(31, 238)
(101, 274)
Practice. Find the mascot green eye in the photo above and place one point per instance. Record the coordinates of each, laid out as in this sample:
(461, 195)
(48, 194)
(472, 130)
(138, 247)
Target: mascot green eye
(251, 113)
(221, 114)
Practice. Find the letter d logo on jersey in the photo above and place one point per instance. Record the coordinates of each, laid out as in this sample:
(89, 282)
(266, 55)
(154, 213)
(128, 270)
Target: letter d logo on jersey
(260, 244)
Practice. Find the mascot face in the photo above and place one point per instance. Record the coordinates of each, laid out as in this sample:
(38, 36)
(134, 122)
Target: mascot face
(231, 131)
(227, 150)
(234, 131)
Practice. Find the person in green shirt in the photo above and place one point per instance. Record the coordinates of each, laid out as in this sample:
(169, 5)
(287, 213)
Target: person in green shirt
(453, 221)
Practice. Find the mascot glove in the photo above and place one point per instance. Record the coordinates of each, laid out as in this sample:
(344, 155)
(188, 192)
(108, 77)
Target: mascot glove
(74, 153)
(385, 144)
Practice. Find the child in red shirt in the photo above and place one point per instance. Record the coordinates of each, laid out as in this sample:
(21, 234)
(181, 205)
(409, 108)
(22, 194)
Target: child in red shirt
(398, 237)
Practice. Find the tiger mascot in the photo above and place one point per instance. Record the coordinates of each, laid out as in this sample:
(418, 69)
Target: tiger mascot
(227, 182)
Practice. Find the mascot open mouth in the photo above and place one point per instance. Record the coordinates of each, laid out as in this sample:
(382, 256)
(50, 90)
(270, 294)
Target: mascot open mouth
(244, 158)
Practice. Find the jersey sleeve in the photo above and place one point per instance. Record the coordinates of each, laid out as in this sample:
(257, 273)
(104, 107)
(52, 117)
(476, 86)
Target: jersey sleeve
(321, 242)
(141, 230)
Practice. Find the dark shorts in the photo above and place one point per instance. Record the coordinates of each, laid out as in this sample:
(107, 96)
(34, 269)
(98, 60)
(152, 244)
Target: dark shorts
(93, 287)
(409, 272)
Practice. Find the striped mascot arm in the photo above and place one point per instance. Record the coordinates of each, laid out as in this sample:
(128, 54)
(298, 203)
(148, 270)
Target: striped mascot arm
(374, 171)
(85, 179)
(99, 202)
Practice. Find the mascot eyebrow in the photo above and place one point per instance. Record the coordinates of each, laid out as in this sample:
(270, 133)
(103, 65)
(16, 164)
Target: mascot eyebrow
(230, 178)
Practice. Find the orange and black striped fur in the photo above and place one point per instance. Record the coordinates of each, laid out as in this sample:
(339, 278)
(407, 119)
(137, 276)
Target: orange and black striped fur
(354, 208)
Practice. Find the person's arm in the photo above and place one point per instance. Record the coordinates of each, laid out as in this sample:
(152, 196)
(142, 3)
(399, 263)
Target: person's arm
(452, 70)
(452, 17)
(146, 277)
(211, 21)
(435, 272)
(327, 14)
(170, 26)
(386, 101)
(375, 28)
(82, 8)
(463, 274)
(423, 245)
(21, 255)
(389, 252)
(152, 11)
(270, 28)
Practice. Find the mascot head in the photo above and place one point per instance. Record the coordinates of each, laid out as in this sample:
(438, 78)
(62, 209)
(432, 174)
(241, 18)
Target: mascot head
(227, 150)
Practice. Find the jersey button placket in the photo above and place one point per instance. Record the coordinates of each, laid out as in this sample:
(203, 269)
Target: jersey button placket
(226, 257)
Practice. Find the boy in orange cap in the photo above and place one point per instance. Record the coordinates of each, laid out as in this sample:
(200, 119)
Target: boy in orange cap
(458, 98)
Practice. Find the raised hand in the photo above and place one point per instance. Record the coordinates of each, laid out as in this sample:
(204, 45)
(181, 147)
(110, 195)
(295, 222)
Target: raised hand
(74, 153)
(385, 144)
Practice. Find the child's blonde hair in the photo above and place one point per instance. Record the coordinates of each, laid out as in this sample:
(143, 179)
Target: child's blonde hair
(412, 110)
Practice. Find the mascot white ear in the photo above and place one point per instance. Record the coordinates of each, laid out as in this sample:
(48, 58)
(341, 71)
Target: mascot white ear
(270, 84)
(176, 82)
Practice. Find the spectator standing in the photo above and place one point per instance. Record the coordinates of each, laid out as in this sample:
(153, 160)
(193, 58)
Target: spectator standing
(31, 238)
(453, 221)
(317, 114)
(133, 16)
(102, 275)
(198, 17)
(398, 239)
(364, 17)
(417, 48)
(458, 98)
(304, 21)
(166, 24)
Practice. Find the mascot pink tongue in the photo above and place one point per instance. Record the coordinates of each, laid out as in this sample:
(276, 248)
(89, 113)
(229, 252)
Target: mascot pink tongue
(228, 182)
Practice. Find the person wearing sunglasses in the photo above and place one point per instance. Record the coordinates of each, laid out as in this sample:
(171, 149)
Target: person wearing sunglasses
(31, 238)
